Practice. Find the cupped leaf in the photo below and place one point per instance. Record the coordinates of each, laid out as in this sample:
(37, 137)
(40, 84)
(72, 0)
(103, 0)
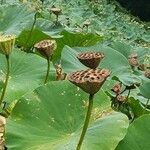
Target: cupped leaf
(144, 89)
(128, 79)
(127, 50)
(123, 48)
(27, 72)
(52, 118)
(137, 136)
(14, 18)
(113, 60)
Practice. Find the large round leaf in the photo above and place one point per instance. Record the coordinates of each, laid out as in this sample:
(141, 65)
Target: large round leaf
(14, 18)
(138, 136)
(73, 39)
(27, 72)
(144, 89)
(51, 118)
(113, 60)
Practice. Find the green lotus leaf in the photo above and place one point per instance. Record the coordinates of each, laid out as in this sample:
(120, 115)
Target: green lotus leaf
(137, 136)
(14, 18)
(27, 72)
(128, 79)
(27, 41)
(75, 39)
(144, 89)
(126, 50)
(51, 118)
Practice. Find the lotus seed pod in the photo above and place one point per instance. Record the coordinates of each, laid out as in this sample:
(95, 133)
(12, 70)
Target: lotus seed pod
(56, 11)
(90, 59)
(89, 80)
(46, 47)
(117, 88)
(133, 60)
(147, 74)
(2, 132)
(6, 44)
(121, 98)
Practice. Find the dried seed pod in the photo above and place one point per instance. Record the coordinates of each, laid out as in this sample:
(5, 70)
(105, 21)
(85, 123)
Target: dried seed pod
(147, 74)
(46, 47)
(2, 132)
(134, 55)
(6, 44)
(90, 59)
(89, 80)
(121, 98)
(117, 88)
(56, 11)
(133, 60)
(58, 72)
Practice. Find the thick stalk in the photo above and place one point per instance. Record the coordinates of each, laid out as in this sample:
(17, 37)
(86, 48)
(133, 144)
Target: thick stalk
(146, 106)
(6, 80)
(86, 123)
(48, 70)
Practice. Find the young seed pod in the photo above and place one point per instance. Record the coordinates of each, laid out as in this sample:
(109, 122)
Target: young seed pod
(46, 48)
(89, 80)
(121, 98)
(90, 59)
(7, 43)
(117, 88)
(147, 74)
(133, 60)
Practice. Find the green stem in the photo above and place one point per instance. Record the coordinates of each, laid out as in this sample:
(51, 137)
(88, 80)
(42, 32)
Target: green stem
(86, 123)
(6, 81)
(48, 70)
(56, 20)
(30, 34)
(146, 106)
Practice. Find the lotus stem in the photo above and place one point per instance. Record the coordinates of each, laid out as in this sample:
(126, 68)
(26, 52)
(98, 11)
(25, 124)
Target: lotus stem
(146, 106)
(30, 33)
(6, 81)
(48, 70)
(56, 20)
(86, 123)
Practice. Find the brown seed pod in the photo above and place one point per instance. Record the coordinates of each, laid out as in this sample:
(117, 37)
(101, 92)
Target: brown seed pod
(46, 47)
(147, 74)
(89, 80)
(121, 98)
(133, 60)
(90, 59)
(56, 11)
(117, 88)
